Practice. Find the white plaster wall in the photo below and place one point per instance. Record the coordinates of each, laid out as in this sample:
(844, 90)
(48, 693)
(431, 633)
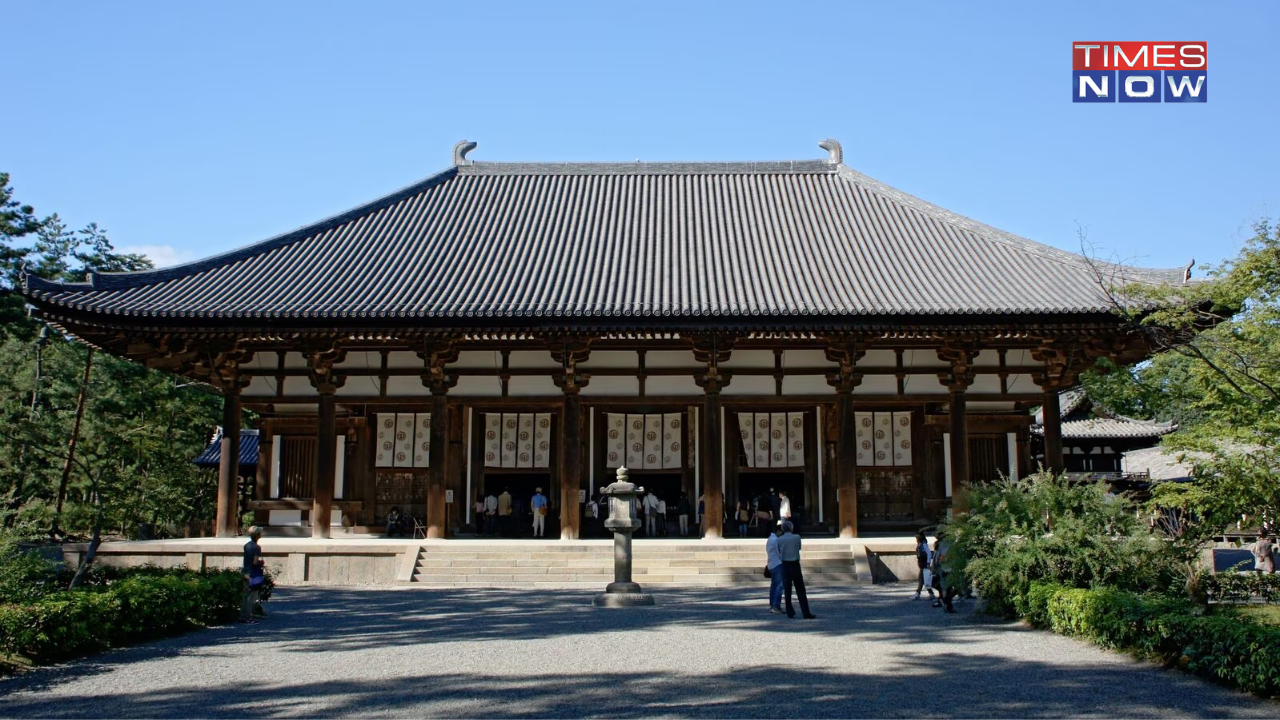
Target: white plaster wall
(260, 387)
(532, 385)
(985, 384)
(402, 359)
(987, 358)
(525, 359)
(613, 386)
(751, 385)
(879, 359)
(359, 386)
(478, 359)
(669, 359)
(806, 385)
(361, 359)
(406, 385)
(473, 386)
(922, 358)
(877, 385)
(672, 385)
(748, 359)
(611, 359)
(291, 360)
(805, 359)
(1023, 384)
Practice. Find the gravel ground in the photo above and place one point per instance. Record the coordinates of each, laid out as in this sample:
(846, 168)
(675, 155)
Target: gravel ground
(409, 652)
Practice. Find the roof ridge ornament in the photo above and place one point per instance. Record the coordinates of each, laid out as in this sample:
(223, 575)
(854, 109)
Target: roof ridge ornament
(832, 146)
(460, 152)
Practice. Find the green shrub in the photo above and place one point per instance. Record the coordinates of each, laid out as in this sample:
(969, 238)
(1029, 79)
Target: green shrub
(1241, 587)
(26, 576)
(1047, 528)
(139, 604)
(1229, 648)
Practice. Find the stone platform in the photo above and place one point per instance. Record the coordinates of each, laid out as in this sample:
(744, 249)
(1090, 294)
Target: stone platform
(586, 564)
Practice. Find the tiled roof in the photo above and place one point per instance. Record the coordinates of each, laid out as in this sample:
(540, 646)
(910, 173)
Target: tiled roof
(1113, 428)
(801, 239)
(212, 455)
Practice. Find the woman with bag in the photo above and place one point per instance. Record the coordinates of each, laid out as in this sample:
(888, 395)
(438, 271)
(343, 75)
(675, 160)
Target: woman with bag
(743, 516)
(923, 558)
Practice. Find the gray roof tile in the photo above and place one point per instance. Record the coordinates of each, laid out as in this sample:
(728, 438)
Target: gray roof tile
(800, 239)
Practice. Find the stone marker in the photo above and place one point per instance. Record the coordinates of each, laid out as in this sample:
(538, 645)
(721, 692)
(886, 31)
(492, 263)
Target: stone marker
(622, 592)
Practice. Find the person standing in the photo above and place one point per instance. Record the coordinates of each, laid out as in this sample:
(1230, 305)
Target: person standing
(742, 513)
(789, 550)
(539, 506)
(490, 514)
(923, 556)
(651, 514)
(1264, 555)
(254, 574)
(478, 509)
(773, 561)
(504, 513)
(682, 512)
(784, 506)
(662, 517)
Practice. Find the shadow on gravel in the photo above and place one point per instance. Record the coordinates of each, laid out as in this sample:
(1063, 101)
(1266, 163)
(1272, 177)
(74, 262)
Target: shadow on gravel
(922, 682)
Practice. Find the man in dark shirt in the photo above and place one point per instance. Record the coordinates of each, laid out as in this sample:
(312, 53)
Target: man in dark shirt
(253, 573)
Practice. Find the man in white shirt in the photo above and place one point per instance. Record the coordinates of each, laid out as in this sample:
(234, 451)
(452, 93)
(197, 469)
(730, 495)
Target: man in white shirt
(490, 514)
(789, 549)
(651, 515)
(784, 506)
(773, 561)
(662, 517)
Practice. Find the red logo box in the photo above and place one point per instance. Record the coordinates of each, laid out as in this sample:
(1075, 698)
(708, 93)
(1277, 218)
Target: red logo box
(1140, 55)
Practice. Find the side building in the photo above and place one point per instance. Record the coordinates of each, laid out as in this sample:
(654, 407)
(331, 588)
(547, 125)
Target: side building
(719, 328)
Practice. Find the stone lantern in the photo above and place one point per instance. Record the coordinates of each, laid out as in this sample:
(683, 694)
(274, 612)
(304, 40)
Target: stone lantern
(622, 592)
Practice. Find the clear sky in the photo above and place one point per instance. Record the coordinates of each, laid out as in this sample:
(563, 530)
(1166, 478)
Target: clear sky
(188, 129)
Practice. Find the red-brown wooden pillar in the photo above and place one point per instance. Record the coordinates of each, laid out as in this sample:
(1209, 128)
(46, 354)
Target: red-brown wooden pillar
(322, 497)
(961, 357)
(436, 355)
(262, 481)
(437, 516)
(569, 353)
(712, 349)
(844, 380)
(1052, 411)
(326, 382)
(228, 521)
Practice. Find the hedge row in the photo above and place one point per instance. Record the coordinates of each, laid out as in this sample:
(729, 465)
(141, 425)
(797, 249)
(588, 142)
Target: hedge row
(73, 623)
(1236, 650)
(1242, 586)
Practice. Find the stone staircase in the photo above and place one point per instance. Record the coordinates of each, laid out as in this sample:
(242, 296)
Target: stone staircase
(589, 565)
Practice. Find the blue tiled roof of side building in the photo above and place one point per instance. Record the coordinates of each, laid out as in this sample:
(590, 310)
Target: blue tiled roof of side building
(212, 455)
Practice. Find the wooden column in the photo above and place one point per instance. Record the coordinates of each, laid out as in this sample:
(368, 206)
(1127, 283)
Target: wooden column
(959, 449)
(262, 481)
(711, 455)
(322, 497)
(844, 380)
(436, 354)
(961, 356)
(570, 466)
(1052, 410)
(569, 353)
(1063, 363)
(228, 521)
(326, 382)
(437, 516)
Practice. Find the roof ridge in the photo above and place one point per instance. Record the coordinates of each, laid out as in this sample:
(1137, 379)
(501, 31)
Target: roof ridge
(1128, 273)
(650, 168)
(123, 280)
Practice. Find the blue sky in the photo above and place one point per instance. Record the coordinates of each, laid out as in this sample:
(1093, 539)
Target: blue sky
(187, 129)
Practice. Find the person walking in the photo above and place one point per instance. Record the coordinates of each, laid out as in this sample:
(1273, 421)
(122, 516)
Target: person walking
(682, 513)
(943, 578)
(254, 576)
(773, 562)
(539, 506)
(789, 550)
(923, 556)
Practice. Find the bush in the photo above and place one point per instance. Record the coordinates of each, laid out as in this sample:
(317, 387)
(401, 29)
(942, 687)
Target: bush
(1241, 587)
(144, 603)
(25, 575)
(1046, 528)
(1229, 648)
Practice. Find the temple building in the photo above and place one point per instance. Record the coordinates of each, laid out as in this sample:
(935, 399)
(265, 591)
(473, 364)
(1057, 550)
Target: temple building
(718, 328)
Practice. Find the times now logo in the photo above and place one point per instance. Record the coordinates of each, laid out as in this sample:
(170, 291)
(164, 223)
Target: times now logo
(1149, 72)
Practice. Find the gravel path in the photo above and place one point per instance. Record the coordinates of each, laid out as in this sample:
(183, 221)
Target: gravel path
(708, 653)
